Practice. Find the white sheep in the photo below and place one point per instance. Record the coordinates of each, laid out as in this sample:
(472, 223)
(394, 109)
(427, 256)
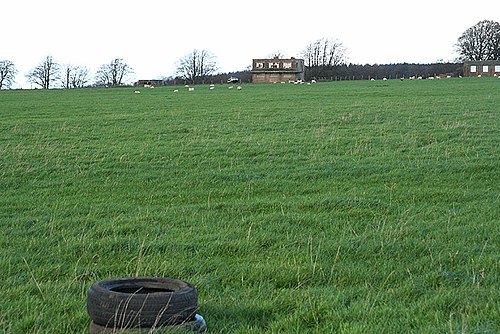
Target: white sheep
(238, 88)
(212, 87)
(384, 79)
(313, 81)
(191, 89)
(176, 91)
(230, 87)
(137, 92)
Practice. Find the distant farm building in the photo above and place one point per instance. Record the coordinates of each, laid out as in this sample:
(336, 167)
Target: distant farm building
(154, 82)
(277, 70)
(483, 68)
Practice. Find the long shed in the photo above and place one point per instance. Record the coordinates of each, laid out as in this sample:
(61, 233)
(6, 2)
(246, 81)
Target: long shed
(483, 68)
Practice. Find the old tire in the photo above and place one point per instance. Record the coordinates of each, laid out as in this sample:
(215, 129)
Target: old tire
(141, 302)
(197, 325)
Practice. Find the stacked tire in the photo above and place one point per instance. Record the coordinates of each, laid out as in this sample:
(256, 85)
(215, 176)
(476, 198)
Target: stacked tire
(143, 304)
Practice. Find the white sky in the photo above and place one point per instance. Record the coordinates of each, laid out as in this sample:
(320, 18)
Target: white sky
(152, 35)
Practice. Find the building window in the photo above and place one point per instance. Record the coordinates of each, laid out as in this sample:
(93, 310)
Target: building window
(273, 65)
(497, 68)
(274, 75)
(260, 75)
(485, 69)
(259, 65)
(287, 65)
(473, 69)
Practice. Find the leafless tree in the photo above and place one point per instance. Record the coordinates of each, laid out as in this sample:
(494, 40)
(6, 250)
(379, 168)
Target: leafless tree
(196, 66)
(74, 76)
(45, 73)
(324, 52)
(8, 73)
(480, 42)
(115, 73)
(276, 54)
(322, 56)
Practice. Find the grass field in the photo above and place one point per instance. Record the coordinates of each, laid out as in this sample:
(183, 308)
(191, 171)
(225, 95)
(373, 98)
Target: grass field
(345, 207)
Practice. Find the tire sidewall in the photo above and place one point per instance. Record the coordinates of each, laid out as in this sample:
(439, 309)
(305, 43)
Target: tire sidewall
(110, 308)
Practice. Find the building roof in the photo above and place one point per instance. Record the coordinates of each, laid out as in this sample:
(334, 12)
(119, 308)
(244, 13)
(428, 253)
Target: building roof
(482, 62)
(277, 59)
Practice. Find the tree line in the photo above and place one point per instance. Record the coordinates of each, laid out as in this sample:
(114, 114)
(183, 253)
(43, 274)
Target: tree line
(49, 73)
(389, 71)
(324, 59)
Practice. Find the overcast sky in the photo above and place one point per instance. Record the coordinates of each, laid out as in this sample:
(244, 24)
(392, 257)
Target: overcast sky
(152, 35)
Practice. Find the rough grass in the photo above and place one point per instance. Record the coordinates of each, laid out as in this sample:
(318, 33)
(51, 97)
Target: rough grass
(347, 207)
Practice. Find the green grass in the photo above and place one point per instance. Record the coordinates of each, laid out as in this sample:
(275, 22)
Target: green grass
(346, 207)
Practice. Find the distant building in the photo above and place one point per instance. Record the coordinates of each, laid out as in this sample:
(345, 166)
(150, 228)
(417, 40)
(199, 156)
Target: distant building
(483, 68)
(277, 70)
(154, 82)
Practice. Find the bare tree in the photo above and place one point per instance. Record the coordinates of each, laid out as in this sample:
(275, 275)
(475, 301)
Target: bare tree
(8, 73)
(276, 54)
(480, 42)
(196, 66)
(45, 73)
(324, 52)
(322, 56)
(74, 76)
(113, 74)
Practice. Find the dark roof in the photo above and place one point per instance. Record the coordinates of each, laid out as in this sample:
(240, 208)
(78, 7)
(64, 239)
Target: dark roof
(482, 62)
